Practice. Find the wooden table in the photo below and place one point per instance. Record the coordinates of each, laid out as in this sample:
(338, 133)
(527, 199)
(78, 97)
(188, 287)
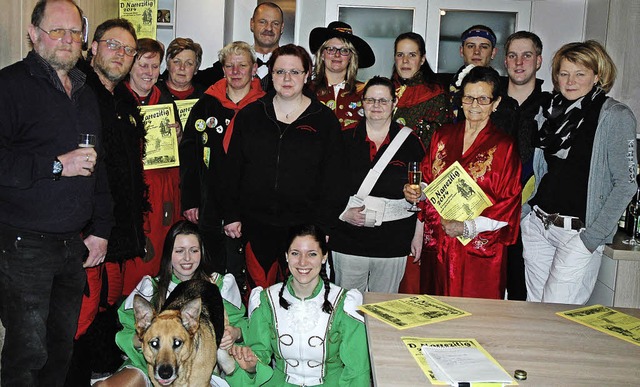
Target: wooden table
(519, 335)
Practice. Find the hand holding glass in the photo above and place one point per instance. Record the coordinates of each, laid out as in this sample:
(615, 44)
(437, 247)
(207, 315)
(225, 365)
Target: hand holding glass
(86, 140)
(415, 178)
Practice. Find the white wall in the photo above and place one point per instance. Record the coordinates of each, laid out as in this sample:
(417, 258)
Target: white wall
(623, 40)
(556, 23)
(202, 21)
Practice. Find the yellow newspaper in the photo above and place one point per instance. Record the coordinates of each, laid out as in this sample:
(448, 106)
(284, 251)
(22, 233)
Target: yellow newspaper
(184, 108)
(142, 14)
(606, 320)
(455, 195)
(162, 140)
(415, 344)
(412, 311)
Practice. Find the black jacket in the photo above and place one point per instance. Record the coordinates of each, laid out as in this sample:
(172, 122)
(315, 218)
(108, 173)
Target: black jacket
(284, 178)
(38, 121)
(200, 179)
(519, 121)
(123, 135)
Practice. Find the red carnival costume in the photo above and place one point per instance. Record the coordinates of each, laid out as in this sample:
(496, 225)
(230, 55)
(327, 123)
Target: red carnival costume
(347, 106)
(164, 197)
(479, 268)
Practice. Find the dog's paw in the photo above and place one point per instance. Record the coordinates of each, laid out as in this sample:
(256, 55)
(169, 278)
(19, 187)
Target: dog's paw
(225, 361)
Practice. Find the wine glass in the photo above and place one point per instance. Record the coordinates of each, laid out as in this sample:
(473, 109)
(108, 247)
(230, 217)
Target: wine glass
(415, 178)
(634, 211)
(86, 140)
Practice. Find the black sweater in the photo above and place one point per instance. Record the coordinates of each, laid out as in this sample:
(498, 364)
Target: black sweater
(38, 121)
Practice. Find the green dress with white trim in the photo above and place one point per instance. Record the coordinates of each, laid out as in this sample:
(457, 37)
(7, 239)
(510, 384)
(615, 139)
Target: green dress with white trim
(309, 347)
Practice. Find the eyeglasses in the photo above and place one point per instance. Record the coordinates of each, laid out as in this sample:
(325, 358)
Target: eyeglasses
(342, 50)
(59, 33)
(114, 45)
(372, 101)
(482, 100)
(292, 72)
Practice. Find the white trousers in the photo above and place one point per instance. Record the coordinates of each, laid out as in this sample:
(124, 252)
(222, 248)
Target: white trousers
(368, 274)
(558, 267)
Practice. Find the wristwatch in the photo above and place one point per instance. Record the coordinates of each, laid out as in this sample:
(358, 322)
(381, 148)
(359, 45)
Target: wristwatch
(57, 169)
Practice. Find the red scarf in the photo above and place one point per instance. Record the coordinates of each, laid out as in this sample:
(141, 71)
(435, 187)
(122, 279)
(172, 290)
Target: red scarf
(151, 99)
(219, 92)
(181, 94)
(416, 94)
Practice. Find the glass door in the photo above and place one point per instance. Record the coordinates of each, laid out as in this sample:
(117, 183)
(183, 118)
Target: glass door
(379, 23)
(447, 19)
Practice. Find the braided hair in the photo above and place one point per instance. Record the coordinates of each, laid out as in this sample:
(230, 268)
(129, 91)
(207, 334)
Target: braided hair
(319, 236)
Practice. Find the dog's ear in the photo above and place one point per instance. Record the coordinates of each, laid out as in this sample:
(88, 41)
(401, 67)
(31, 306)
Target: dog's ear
(143, 312)
(191, 315)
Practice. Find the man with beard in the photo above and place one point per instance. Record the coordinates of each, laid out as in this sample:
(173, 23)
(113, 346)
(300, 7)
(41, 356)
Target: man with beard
(108, 62)
(267, 25)
(55, 206)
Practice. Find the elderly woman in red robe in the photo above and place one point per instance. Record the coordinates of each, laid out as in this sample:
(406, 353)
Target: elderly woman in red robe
(489, 156)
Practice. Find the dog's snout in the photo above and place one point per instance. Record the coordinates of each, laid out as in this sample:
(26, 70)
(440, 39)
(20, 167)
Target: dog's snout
(165, 371)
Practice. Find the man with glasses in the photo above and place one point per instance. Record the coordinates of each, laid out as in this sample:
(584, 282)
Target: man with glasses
(55, 206)
(109, 60)
(267, 25)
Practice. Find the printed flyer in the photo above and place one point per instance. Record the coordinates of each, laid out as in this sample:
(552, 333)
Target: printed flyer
(455, 195)
(142, 14)
(162, 140)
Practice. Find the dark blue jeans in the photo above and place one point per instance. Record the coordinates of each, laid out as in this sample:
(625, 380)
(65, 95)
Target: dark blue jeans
(41, 286)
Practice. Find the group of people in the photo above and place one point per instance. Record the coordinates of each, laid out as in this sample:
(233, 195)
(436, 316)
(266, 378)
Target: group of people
(287, 166)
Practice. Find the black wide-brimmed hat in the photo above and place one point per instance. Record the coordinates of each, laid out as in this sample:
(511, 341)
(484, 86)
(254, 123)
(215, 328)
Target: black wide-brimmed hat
(338, 29)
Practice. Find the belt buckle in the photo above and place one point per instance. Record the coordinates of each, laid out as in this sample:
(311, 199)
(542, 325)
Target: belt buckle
(547, 222)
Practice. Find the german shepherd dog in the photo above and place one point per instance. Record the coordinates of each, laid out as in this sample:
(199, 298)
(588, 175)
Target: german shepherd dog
(180, 343)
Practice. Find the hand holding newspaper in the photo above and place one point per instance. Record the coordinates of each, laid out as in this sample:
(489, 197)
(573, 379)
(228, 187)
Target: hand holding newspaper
(455, 195)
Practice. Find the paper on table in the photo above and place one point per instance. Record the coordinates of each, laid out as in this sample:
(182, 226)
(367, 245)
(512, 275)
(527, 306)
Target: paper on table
(606, 320)
(412, 311)
(462, 364)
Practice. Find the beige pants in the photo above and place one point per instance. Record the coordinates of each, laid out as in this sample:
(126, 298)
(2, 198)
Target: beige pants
(368, 274)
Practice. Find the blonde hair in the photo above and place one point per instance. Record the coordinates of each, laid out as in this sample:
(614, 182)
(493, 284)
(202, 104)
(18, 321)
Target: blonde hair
(236, 48)
(319, 76)
(589, 54)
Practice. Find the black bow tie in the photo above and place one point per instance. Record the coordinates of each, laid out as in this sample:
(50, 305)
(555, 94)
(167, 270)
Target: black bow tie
(261, 62)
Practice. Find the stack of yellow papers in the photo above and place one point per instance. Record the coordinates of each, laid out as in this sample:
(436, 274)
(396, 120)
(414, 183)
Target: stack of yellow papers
(412, 311)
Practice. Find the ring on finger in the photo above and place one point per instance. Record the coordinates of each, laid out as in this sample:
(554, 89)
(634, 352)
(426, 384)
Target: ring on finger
(87, 159)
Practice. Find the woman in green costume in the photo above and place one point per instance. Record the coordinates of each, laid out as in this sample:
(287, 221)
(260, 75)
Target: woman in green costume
(181, 258)
(309, 326)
